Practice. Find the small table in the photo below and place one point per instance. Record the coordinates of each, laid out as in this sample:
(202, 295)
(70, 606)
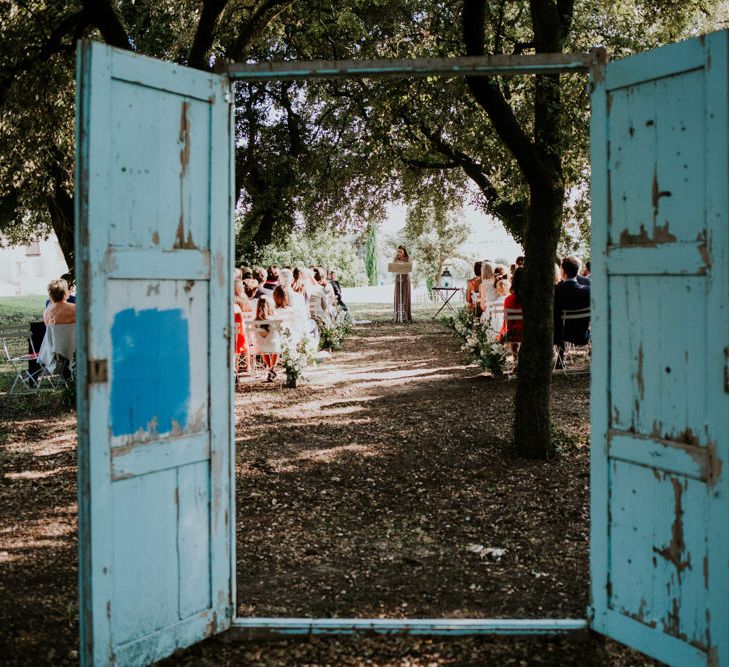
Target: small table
(446, 294)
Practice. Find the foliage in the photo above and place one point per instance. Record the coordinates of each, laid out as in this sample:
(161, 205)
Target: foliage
(479, 340)
(371, 254)
(323, 247)
(297, 353)
(435, 235)
(333, 333)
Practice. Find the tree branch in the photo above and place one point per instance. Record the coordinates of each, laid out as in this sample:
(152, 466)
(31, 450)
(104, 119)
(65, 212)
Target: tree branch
(72, 24)
(491, 99)
(257, 22)
(203, 41)
(104, 16)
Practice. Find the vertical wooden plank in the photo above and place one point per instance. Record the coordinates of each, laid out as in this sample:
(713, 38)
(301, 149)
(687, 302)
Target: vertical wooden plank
(717, 435)
(193, 538)
(91, 237)
(145, 564)
(220, 359)
(599, 385)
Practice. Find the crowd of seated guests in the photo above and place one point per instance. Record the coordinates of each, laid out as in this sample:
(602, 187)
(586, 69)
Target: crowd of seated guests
(300, 299)
(494, 294)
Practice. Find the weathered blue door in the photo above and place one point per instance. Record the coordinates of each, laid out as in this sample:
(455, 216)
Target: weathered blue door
(660, 415)
(153, 262)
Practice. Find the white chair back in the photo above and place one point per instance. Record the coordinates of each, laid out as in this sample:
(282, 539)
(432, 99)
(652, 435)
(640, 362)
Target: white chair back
(60, 340)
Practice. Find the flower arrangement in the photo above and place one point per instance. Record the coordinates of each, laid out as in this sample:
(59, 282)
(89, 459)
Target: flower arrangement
(297, 353)
(480, 340)
(333, 333)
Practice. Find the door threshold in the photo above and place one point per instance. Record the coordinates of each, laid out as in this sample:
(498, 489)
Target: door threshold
(261, 628)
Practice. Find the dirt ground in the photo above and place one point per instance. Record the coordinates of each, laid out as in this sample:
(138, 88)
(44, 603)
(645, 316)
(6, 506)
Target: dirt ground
(377, 489)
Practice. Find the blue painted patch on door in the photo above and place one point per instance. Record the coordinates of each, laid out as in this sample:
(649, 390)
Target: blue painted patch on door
(150, 376)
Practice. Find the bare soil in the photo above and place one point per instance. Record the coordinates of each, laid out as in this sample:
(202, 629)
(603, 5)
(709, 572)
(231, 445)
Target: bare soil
(376, 489)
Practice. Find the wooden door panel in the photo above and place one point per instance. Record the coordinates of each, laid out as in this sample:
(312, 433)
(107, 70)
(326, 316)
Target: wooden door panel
(155, 384)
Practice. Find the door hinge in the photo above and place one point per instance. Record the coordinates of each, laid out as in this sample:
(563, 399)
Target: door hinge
(228, 97)
(227, 332)
(98, 371)
(726, 369)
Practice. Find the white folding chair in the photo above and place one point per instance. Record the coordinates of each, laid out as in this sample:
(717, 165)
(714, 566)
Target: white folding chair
(258, 342)
(572, 349)
(19, 350)
(57, 354)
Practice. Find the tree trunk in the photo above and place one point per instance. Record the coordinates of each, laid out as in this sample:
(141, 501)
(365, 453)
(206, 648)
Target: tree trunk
(61, 211)
(531, 414)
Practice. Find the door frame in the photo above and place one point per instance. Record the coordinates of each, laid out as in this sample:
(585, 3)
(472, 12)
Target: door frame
(593, 64)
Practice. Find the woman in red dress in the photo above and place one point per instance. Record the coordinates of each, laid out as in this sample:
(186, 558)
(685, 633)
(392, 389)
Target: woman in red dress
(511, 329)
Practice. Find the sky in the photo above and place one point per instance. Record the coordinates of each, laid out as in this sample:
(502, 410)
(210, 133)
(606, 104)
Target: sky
(488, 240)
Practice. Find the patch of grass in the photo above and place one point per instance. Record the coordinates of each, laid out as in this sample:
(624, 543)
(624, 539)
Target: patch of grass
(19, 310)
(16, 312)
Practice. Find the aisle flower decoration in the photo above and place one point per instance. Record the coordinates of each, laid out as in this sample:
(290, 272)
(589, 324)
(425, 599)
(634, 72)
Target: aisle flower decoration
(297, 353)
(333, 333)
(480, 341)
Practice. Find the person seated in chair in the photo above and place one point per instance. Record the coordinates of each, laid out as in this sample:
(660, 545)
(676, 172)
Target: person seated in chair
(570, 295)
(58, 347)
(59, 310)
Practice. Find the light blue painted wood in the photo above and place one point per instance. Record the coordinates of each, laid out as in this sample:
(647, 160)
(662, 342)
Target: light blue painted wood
(147, 263)
(154, 242)
(143, 458)
(663, 455)
(660, 408)
(685, 259)
(420, 626)
(599, 323)
(717, 414)
(652, 65)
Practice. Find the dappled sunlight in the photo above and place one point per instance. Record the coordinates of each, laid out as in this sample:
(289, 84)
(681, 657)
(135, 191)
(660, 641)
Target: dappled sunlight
(39, 444)
(39, 474)
(50, 532)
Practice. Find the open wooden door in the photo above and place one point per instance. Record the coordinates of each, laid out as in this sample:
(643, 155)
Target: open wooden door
(154, 262)
(660, 415)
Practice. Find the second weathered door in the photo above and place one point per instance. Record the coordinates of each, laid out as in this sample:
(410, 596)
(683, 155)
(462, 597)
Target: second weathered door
(660, 416)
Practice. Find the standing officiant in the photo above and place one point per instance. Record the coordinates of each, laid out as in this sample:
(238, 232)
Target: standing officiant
(402, 268)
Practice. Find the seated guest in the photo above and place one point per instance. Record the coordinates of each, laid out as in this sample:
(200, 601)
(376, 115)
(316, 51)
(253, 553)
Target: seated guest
(244, 295)
(486, 291)
(298, 296)
(69, 281)
(59, 310)
(259, 275)
(583, 278)
(272, 279)
(321, 279)
(284, 311)
(240, 345)
(520, 261)
(570, 295)
(472, 286)
(318, 302)
(332, 279)
(266, 340)
(511, 330)
(496, 313)
(512, 269)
